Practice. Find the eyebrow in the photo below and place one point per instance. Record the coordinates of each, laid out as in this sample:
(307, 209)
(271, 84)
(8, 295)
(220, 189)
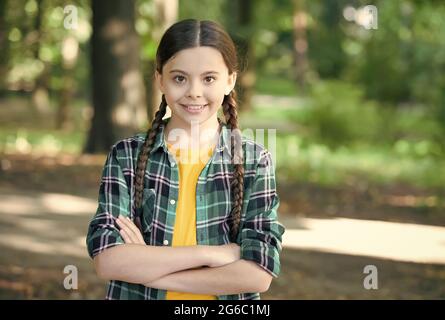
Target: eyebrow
(180, 71)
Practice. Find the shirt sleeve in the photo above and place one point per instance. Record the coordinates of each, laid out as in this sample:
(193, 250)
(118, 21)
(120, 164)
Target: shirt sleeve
(113, 199)
(261, 234)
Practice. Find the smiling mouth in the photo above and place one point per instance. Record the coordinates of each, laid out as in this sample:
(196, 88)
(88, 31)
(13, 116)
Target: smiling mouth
(194, 108)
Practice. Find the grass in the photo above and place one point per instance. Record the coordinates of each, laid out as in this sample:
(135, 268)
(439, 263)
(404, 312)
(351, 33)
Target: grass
(22, 130)
(316, 163)
(40, 141)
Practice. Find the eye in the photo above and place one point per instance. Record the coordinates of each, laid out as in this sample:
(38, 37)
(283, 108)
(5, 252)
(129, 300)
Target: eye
(209, 77)
(179, 79)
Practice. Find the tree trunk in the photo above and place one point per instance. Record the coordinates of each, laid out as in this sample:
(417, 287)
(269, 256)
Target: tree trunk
(70, 50)
(148, 67)
(167, 14)
(247, 78)
(63, 112)
(118, 93)
(300, 45)
(40, 95)
(4, 45)
(332, 39)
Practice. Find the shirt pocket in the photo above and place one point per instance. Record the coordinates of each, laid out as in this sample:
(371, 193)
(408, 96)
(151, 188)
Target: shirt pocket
(148, 205)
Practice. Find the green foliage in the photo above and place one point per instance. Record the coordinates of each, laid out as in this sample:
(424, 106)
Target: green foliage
(202, 10)
(40, 141)
(404, 59)
(300, 161)
(340, 115)
(275, 86)
(325, 37)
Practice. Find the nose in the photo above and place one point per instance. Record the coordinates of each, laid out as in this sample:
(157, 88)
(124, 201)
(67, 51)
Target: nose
(195, 90)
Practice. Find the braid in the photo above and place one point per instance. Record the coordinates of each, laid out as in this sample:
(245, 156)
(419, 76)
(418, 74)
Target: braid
(146, 148)
(237, 184)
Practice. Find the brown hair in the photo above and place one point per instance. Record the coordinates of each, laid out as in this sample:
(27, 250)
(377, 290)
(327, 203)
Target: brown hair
(185, 34)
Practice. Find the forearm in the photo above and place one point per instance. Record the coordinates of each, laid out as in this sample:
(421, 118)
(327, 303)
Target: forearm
(238, 277)
(137, 263)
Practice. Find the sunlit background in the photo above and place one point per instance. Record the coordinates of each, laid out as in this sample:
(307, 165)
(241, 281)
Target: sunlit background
(354, 89)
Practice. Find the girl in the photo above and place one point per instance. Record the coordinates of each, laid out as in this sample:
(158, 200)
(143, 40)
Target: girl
(167, 227)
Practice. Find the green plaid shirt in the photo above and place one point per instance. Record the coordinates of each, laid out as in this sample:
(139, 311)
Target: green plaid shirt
(260, 234)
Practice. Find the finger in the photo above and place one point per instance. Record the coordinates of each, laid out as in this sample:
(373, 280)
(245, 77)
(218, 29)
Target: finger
(125, 222)
(132, 230)
(128, 232)
(124, 231)
(125, 236)
(138, 224)
(132, 238)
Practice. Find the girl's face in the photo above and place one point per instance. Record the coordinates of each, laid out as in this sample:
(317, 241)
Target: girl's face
(194, 82)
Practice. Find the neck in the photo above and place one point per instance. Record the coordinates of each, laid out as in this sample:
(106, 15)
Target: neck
(192, 134)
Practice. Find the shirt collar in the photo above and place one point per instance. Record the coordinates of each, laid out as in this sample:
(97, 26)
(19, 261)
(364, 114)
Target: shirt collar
(160, 140)
(223, 141)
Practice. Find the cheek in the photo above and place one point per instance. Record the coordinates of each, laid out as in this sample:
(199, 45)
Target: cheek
(216, 94)
(173, 94)
(217, 101)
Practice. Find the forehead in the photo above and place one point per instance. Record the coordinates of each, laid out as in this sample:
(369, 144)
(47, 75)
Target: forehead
(197, 60)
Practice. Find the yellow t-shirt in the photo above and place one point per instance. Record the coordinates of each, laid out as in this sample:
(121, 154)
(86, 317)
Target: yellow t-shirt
(190, 165)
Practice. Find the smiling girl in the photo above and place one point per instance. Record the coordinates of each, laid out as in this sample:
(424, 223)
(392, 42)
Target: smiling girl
(188, 210)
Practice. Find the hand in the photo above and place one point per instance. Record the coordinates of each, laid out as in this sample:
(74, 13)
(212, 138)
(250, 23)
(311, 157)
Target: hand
(129, 231)
(224, 254)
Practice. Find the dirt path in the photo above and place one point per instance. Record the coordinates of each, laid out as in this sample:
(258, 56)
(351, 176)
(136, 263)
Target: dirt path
(41, 233)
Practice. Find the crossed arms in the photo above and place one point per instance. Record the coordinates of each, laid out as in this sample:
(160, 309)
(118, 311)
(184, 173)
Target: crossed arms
(201, 269)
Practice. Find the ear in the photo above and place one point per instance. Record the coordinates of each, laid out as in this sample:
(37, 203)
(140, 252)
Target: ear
(158, 79)
(231, 83)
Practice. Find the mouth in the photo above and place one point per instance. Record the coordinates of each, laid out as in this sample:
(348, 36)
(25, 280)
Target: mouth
(194, 108)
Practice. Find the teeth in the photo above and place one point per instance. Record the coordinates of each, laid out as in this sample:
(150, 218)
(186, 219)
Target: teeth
(195, 107)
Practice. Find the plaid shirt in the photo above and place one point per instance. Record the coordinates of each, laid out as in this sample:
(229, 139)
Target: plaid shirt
(260, 234)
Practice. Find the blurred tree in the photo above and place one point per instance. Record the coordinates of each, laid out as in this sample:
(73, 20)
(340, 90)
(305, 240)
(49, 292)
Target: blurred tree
(326, 38)
(241, 26)
(166, 14)
(4, 45)
(300, 44)
(70, 49)
(280, 28)
(153, 18)
(118, 93)
(40, 94)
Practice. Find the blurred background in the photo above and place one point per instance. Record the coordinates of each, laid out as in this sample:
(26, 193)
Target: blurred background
(355, 90)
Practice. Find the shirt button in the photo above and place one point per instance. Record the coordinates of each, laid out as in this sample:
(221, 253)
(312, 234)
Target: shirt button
(172, 201)
(165, 242)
